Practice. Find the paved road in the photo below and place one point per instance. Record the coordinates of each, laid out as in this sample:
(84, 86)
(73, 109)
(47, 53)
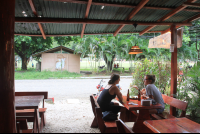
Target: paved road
(62, 89)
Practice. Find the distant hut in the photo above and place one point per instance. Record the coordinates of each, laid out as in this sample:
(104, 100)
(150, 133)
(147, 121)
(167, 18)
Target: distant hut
(59, 58)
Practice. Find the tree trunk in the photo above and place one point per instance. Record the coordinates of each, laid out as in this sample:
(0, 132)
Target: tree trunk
(24, 62)
(109, 63)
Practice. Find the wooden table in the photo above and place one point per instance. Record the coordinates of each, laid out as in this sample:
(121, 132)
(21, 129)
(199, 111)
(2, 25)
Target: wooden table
(176, 125)
(143, 115)
(30, 102)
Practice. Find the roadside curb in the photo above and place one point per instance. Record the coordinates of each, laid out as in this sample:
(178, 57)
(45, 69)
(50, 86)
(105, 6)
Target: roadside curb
(106, 77)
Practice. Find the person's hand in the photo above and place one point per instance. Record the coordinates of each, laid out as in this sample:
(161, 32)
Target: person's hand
(143, 91)
(134, 86)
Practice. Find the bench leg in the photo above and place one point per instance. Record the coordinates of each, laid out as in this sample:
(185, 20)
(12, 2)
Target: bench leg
(34, 126)
(94, 123)
(43, 120)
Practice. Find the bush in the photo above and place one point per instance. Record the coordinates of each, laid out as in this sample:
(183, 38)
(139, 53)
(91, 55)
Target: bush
(189, 90)
(145, 67)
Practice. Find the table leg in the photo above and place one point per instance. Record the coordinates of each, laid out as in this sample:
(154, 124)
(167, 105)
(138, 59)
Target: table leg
(128, 116)
(139, 127)
(37, 119)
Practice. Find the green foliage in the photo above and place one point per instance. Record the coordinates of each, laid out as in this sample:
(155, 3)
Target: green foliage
(25, 46)
(161, 70)
(189, 90)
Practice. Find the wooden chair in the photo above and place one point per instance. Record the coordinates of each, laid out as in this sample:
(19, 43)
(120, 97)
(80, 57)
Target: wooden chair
(122, 127)
(174, 103)
(22, 126)
(105, 126)
(30, 112)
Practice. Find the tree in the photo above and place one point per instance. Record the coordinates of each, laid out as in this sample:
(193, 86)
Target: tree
(25, 46)
(113, 46)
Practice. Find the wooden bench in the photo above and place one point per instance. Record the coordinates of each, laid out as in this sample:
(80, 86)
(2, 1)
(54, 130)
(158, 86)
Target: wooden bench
(22, 126)
(122, 127)
(174, 103)
(29, 113)
(104, 126)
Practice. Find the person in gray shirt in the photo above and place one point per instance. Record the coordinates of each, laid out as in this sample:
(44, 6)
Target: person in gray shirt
(152, 92)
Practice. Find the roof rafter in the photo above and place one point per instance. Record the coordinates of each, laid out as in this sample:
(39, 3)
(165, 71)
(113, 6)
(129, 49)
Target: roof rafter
(86, 16)
(35, 13)
(173, 12)
(132, 14)
(192, 4)
(122, 5)
(92, 21)
(189, 20)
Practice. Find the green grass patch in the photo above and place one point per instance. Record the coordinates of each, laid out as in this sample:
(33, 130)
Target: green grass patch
(33, 74)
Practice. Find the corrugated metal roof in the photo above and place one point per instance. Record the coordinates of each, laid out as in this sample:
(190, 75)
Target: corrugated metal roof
(159, 28)
(181, 16)
(56, 9)
(99, 28)
(109, 13)
(149, 15)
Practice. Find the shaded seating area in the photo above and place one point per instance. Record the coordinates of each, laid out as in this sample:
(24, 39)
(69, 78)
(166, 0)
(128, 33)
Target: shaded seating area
(143, 121)
(28, 109)
(80, 17)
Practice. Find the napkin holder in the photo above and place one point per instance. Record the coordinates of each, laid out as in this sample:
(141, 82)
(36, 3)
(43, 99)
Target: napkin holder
(146, 102)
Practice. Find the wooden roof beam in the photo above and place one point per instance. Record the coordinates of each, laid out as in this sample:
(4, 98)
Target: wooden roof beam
(86, 16)
(178, 9)
(122, 5)
(192, 4)
(35, 13)
(132, 14)
(92, 21)
(79, 34)
(189, 20)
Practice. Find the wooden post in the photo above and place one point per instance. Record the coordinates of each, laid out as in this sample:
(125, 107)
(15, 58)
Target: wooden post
(7, 90)
(173, 67)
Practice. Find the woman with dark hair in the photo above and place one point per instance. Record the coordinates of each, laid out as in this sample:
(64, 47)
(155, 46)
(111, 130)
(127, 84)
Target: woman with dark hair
(152, 92)
(109, 93)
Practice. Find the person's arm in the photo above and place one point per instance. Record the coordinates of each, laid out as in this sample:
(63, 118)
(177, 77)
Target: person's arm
(142, 92)
(151, 96)
(119, 94)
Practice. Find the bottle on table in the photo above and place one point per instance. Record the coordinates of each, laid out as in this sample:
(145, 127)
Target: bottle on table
(139, 95)
(127, 98)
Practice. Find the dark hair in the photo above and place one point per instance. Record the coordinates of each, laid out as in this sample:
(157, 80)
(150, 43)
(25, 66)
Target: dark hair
(113, 78)
(152, 78)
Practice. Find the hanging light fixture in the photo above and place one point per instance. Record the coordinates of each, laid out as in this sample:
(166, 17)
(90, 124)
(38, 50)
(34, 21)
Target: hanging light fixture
(135, 50)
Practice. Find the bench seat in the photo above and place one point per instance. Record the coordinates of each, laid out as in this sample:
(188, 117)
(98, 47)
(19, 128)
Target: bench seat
(174, 103)
(110, 124)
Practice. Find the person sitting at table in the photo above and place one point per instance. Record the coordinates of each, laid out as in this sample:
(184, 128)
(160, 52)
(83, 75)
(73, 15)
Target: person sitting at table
(109, 93)
(152, 92)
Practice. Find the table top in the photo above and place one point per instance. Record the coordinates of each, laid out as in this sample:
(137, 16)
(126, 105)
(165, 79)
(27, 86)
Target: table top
(28, 102)
(175, 125)
(139, 106)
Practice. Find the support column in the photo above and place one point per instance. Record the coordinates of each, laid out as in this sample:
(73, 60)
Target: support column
(173, 67)
(7, 87)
